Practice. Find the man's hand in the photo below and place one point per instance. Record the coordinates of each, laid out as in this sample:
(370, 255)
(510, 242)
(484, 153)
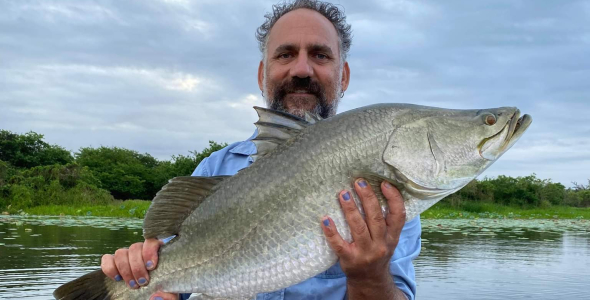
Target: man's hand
(132, 265)
(365, 261)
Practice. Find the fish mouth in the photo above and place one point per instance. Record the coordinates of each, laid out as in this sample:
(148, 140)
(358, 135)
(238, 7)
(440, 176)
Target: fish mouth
(516, 127)
(509, 134)
(519, 125)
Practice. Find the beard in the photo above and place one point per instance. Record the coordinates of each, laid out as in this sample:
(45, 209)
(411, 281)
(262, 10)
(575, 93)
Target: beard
(298, 105)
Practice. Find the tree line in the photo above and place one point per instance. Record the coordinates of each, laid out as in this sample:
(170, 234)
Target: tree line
(33, 173)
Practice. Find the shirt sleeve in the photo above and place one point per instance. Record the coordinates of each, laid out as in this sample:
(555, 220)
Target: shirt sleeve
(201, 169)
(401, 265)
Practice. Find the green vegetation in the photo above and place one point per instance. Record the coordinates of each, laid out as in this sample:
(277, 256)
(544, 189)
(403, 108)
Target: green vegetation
(38, 178)
(29, 150)
(524, 192)
(442, 210)
(119, 209)
(478, 210)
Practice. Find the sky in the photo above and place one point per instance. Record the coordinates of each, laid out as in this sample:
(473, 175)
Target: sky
(166, 76)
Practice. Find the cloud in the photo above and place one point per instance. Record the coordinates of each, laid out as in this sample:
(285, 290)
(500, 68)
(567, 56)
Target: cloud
(167, 76)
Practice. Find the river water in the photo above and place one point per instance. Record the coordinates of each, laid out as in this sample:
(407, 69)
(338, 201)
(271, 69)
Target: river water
(460, 259)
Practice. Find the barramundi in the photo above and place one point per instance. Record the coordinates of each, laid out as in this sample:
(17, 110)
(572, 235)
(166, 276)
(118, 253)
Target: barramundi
(260, 230)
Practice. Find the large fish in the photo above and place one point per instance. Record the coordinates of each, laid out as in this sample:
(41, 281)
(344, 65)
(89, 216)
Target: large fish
(260, 231)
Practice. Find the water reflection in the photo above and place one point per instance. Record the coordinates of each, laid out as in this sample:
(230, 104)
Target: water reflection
(461, 259)
(504, 259)
(39, 254)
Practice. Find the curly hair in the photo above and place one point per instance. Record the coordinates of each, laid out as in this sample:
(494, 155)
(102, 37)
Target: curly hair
(330, 11)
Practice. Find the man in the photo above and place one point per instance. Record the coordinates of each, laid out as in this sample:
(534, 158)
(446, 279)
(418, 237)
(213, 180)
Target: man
(304, 69)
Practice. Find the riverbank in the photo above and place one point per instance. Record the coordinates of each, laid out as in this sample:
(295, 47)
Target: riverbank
(442, 210)
(475, 210)
(117, 209)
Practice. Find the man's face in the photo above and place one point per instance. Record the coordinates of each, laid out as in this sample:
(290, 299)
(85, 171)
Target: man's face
(302, 70)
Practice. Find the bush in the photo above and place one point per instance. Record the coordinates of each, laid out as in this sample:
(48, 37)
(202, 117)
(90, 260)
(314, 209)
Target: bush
(69, 184)
(545, 204)
(128, 174)
(29, 150)
(524, 192)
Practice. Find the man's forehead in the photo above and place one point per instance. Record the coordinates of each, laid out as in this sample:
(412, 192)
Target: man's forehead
(304, 27)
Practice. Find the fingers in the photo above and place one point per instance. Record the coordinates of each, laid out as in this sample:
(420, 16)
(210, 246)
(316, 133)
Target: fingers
(396, 218)
(150, 253)
(373, 214)
(107, 264)
(122, 264)
(358, 227)
(132, 264)
(335, 240)
(164, 296)
(138, 267)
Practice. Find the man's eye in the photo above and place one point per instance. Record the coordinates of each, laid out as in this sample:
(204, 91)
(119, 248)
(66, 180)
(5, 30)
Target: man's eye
(321, 56)
(285, 55)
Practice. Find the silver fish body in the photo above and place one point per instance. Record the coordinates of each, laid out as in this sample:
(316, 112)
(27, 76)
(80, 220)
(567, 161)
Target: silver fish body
(260, 231)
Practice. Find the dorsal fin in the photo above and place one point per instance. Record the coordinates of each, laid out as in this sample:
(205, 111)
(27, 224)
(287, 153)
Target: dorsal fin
(312, 118)
(276, 127)
(176, 201)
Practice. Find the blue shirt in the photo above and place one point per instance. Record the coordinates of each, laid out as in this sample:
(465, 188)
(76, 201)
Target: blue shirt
(331, 284)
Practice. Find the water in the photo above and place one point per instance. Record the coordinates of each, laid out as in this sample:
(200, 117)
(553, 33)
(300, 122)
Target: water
(504, 259)
(38, 254)
(461, 259)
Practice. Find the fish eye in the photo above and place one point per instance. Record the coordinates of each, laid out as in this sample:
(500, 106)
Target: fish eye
(490, 119)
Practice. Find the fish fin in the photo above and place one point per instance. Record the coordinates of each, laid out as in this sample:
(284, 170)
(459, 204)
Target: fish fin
(91, 286)
(375, 180)
(276, 127)
(176, 201)
(405, 186)
(312, 118)
(263, 147)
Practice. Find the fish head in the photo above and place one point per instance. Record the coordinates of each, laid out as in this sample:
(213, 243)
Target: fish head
(436, 151)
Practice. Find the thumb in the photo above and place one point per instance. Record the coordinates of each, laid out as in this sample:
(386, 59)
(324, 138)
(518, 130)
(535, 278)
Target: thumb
(150, 253)
(163, 296)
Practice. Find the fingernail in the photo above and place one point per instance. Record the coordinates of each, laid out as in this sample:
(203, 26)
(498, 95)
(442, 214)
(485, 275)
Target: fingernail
(132, 283)
(362, 183)
(388, 185)
(327, 223)
(142, 281)
(346, 196)
(149, 264)
(118, 278)
(158, 298)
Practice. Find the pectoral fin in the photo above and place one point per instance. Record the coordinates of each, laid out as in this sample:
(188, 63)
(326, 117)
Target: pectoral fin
(176, 201)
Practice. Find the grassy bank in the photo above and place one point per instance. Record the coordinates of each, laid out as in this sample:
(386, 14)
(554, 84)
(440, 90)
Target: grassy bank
(442, 210)
(473, 210)
(119, 209)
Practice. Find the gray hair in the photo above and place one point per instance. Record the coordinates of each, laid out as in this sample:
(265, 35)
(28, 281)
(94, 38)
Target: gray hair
(329, 11)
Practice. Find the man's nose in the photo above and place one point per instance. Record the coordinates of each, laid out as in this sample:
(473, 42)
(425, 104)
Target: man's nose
(302, 67)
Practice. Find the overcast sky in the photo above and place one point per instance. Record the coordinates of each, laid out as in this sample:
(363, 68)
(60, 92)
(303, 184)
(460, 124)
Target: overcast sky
(166, 76)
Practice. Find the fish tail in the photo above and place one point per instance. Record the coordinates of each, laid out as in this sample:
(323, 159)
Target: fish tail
(91, 286)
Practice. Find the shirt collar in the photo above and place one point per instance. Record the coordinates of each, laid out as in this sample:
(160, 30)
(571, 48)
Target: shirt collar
(246, 147)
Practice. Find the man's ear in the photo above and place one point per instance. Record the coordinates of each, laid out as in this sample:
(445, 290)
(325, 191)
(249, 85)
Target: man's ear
(345, 76)
(261, 76)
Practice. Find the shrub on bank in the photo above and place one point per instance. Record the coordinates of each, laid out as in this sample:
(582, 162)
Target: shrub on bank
(522, 192)
(68, 184)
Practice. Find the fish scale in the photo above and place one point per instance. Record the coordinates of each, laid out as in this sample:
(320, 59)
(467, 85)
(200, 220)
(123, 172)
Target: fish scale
(260, 230)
